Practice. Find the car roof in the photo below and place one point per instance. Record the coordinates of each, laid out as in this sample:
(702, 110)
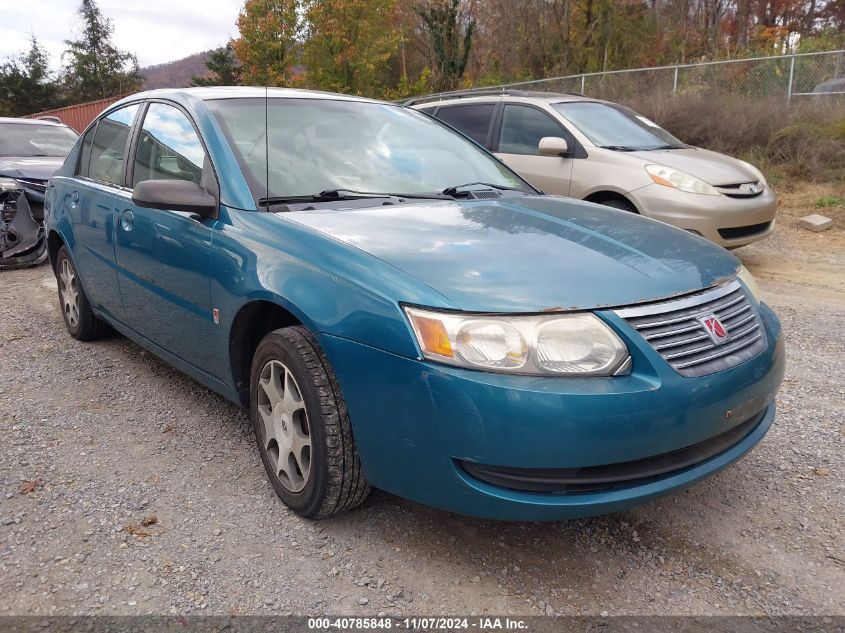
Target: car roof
(239, 92)
(8, 119)
(521, 95)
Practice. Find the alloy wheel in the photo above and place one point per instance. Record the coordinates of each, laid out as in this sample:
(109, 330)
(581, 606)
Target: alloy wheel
(69, 292)
(286, 432)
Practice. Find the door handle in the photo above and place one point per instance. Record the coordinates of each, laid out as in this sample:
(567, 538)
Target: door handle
(127, 220)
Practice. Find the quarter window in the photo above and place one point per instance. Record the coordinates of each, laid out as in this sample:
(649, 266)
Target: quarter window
(109, 146)
(85, 154)
(471, 119)
(522, 129)
(168, 147)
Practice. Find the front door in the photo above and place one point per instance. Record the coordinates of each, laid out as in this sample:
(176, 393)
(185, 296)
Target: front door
(163, 256)
(519, 139)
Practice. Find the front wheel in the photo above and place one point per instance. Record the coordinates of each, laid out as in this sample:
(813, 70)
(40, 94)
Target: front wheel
(302, 426)
(619, 203)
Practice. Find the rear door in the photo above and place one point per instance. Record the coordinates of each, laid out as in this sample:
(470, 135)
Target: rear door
(99, 176)
(163, 256)
(473, 119)
(522, 126)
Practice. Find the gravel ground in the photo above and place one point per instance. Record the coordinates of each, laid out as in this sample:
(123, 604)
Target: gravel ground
(99, 439)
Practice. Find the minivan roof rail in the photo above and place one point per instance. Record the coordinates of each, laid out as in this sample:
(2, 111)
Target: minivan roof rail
(465, 94)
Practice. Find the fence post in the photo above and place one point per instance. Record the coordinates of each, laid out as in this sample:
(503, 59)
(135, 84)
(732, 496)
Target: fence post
(582, 84)
(791, 75)
(675, 82)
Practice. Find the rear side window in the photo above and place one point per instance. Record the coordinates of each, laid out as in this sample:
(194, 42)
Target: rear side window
(522, 129)
(85, 154)
(168, 147)
(109, 146)
(471, 119)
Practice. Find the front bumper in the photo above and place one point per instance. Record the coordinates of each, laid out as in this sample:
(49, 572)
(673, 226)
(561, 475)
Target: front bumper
(415, 422)
(729, 222)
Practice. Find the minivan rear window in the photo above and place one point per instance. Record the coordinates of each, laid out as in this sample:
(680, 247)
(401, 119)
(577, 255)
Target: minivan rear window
(473, 119)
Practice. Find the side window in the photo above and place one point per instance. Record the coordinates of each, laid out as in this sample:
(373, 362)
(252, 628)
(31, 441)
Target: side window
(471, 119)
(522, 129)
(109, 146)
(168, 147)
(429, 110)
(85, 153)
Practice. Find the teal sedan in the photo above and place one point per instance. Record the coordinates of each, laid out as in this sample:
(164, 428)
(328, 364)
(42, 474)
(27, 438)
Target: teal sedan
(400, 310)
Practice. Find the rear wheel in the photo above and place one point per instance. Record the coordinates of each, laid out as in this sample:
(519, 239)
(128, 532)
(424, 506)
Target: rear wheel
(81, 322)
(302, 426)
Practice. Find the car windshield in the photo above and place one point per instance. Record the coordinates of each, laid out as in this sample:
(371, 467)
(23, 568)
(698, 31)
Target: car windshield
(28, 139)
(317, 145)
(616, 127)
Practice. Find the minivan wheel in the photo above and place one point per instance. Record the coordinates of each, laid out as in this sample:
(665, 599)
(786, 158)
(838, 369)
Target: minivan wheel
(619, 203)
(302, 426)
(81, 322)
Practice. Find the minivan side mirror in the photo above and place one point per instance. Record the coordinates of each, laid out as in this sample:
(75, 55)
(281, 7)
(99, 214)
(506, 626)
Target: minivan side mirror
(553, 146)
(175, 195)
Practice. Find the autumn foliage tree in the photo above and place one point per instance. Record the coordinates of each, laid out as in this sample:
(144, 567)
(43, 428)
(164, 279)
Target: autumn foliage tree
(350, 44)
(267, 46)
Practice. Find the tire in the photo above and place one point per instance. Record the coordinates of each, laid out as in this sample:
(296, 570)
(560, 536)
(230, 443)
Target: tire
(302, 427)
(80, 321)
(619, 203)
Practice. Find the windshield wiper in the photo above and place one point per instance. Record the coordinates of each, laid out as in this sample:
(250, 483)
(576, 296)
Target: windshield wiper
(351, 194)
(622, 148)
(334, 195)
(453, 191)
(671, 147)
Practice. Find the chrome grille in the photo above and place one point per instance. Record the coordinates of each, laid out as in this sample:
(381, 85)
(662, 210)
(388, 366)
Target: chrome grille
(676, 331)
(742, 189)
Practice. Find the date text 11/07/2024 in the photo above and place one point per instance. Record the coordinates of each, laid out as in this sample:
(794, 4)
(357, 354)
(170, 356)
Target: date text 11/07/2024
(418, 624)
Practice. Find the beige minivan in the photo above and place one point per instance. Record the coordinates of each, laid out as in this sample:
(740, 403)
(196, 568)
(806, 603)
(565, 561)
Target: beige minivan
(585, 148)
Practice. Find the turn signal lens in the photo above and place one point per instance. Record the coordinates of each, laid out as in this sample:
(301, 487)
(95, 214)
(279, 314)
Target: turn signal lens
(431, 334)
(576, 344)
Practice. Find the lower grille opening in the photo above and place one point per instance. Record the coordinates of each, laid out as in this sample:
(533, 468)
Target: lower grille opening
(609, 476)
(735, 232)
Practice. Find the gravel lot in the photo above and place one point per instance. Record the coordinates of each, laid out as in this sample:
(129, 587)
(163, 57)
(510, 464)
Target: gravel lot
(96, 438)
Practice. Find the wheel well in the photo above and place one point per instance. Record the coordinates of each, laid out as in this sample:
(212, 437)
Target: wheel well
(251, 324)
(600, 197)
(54, 243)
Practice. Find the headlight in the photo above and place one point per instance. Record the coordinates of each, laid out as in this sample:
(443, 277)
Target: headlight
(747, 278)
(757, 173)
(562, 344)
(680, 180)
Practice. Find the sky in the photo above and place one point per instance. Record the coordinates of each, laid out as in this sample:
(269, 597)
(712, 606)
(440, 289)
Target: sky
(157, 31)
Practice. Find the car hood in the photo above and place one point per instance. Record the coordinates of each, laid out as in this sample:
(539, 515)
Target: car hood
(711, 167)
(529, 254)
(30, 168)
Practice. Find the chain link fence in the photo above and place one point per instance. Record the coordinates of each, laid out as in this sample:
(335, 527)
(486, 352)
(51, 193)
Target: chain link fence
(792, 77)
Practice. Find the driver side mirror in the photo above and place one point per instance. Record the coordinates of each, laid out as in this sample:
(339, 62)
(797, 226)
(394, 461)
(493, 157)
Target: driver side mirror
(175, 195)
(553, 146)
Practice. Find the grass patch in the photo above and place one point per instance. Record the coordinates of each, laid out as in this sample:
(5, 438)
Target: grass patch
(828, 201)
